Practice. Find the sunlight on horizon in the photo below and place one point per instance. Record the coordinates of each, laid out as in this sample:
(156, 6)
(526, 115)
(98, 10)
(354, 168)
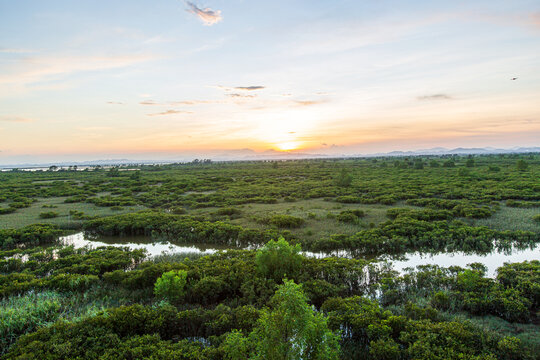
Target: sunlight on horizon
(288, 146)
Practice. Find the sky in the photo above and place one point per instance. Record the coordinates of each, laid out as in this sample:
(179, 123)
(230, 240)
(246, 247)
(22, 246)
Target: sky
(160, 79)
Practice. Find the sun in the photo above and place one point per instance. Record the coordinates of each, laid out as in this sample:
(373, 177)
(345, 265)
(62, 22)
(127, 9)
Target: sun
(289, 145)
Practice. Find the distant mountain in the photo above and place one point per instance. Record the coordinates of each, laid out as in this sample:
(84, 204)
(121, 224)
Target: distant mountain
(271, 154)
(460, 151)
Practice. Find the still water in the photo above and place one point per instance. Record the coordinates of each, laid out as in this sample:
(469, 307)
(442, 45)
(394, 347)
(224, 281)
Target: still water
(492, 260)
(152, 246)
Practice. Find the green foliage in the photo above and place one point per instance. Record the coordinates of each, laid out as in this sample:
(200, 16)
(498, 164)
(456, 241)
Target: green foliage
(522, 204)
(171, 285)
(37, 234)
(512, 296)
(449, 164)
(286, 221)
(134, 332)
(236, 345)
(350, 216)
(290, 330)
(278, 260)
(522, 165)
(230, 211)
(48, 215)
(344, 179)
(22, 315)
(428, 313)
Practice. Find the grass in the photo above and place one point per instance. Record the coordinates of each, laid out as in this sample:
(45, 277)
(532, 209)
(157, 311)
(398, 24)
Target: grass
(30, 215)
(23, 314)
(315, 212)
(529, 334)
(509, 218)
(179, 257)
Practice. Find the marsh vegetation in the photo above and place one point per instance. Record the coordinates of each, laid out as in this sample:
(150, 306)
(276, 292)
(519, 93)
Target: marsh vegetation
(269, 240)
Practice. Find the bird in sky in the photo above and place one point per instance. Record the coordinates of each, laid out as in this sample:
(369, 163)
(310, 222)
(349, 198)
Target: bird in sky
(515, 78)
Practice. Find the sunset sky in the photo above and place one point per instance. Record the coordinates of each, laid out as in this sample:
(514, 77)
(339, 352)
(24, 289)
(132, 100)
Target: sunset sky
(84, 80)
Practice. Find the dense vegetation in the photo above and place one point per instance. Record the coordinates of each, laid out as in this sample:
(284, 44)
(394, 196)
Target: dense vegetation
(269, 301)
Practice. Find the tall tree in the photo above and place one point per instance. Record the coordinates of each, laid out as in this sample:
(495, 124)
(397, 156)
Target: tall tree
(290, 330)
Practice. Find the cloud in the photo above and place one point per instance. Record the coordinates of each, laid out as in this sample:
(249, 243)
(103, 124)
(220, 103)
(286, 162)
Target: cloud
(192, 102)
(208, 16)
(240, 88)
(308, 102)
(176, 103)
(16, 119)
(94, 128)
(35, 69)
(150, 102)
(171, 112)
(14, 51)
(249, 88)
(115, 103)
(435, 97)
(237, 95)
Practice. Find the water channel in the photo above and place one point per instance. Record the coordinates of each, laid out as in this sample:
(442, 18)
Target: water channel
(491, 260)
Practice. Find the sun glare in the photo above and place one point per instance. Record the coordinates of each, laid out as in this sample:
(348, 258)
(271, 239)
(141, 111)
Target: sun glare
(287, 146)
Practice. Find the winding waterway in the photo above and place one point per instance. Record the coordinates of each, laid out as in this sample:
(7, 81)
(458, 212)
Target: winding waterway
(491, 260)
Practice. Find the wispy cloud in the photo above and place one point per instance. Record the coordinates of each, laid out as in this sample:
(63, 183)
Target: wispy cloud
(249, 88)
(308, 102)
(237, 95)
(15, 119)
(34, 69)
(239, 88)
(208, 16)
(435, 97)
(150, 102)
(171, 112)
(14, 51)
(176, 103)
(192, 102)
(94, 128)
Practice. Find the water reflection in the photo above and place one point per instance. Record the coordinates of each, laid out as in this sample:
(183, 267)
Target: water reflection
(491, 260)
(153, 247)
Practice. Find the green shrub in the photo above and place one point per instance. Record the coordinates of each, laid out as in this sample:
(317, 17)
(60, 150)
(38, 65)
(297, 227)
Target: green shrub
(278, 260)
(449, 163)
(228, 211)
(350, 216)
(349, 199)
(178, 210)
(48, 215)
(344, 179)
(522, 165)
(286, 221)
(171, 285)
